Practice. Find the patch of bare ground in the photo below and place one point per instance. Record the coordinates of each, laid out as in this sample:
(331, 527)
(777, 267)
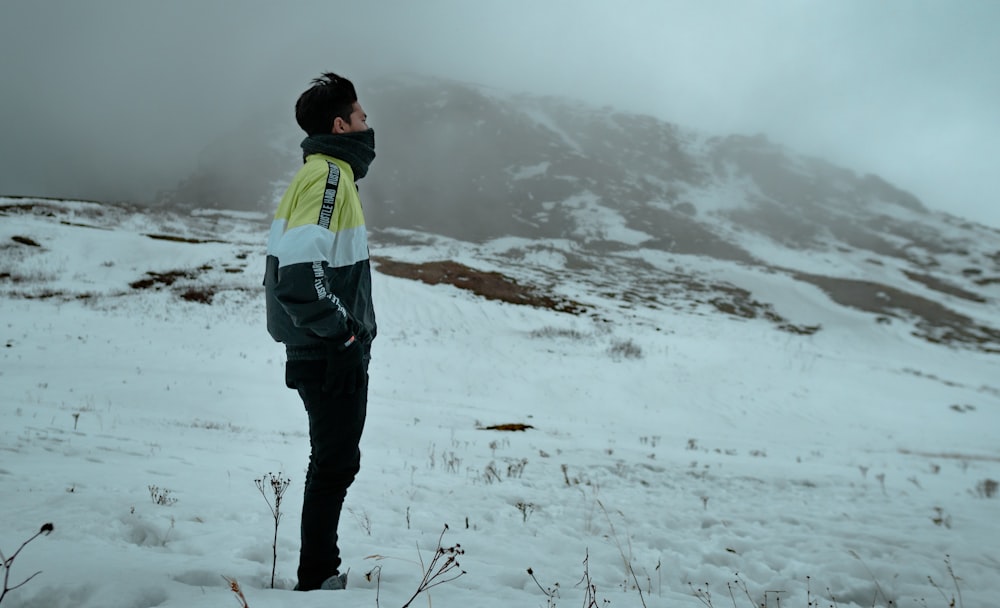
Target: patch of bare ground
(45, 294)
(723, 297)
(935, 322)
(489, 285)
(944, 287)
(22, 208)
(739, 302)
(951, 455)
(155, 279)
(24, 240)
(51, 207)
(512, 427)
(202, 294)
(181, 239)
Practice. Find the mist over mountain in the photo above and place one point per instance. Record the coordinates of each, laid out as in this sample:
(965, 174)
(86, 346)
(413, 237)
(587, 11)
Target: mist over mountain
(622, 202)
(475, 163)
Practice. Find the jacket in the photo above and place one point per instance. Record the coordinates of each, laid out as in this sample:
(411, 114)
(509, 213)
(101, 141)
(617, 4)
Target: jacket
(317, 281)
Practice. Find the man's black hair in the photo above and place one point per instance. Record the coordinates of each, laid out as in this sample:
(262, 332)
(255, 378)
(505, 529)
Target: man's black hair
(330, 97)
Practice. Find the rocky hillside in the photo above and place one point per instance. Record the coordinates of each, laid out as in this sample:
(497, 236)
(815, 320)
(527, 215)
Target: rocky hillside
(627, 203)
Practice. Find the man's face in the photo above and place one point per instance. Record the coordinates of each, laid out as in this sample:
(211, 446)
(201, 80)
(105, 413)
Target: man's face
(358, 121)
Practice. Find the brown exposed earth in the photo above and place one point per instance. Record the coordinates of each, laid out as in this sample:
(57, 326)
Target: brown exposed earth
(490, 285)
(935, 322)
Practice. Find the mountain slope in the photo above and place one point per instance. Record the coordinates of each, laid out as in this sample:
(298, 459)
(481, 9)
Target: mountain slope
(629, 200)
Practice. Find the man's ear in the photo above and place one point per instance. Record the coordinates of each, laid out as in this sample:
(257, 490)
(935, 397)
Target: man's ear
(339, 125)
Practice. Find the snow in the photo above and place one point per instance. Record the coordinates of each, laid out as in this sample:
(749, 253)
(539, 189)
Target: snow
(529, 171)
(546, 121)
(845, 463)
(596, 221)
(722, 194)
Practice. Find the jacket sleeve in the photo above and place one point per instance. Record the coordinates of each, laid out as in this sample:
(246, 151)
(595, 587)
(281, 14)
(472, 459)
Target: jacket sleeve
(303, 290)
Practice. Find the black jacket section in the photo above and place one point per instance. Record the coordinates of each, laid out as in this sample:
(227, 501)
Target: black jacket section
(311, 304)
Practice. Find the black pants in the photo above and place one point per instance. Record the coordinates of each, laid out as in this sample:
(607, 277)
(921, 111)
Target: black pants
(336, 422)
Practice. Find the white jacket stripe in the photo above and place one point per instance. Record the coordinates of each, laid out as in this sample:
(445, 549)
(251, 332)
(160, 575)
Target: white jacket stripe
(314, 243)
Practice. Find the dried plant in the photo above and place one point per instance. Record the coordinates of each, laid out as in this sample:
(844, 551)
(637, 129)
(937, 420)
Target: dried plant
(234, 586)
(551, 594)
(7, 562)
(590, 589)
(987, 488)
(626, 559)
(625, 349)
(954, 580)
(439, 572)
(278, 486)
(375, 573)
(161, 496)
(526, 509)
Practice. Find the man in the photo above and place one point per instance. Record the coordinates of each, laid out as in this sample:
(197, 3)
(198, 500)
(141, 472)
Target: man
(318, 293)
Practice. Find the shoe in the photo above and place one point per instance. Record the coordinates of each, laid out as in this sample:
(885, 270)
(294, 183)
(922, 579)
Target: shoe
(335, 582)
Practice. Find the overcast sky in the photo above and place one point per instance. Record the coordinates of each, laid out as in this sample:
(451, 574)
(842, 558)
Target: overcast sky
(115, 98)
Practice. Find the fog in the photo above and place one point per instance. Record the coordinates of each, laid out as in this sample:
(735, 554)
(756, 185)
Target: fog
(115, 99)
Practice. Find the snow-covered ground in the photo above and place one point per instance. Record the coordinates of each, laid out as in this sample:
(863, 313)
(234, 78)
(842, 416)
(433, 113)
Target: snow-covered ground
(846, 468)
